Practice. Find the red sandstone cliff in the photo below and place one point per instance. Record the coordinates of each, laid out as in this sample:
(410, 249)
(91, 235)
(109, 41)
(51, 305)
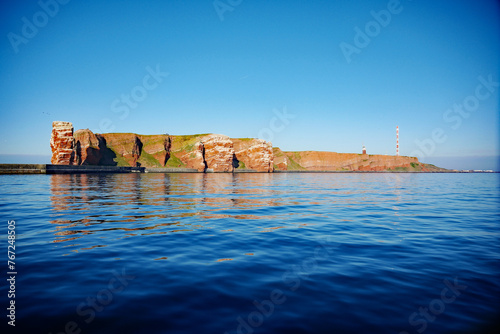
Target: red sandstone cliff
(88, 148)
(127, 146)
(197, 157)
(155, 148)
(333, 161)
(256, 154)
(62, 143)
(221, 153)
(218, 153)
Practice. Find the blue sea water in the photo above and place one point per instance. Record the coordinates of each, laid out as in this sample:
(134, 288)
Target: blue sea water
(253, 253)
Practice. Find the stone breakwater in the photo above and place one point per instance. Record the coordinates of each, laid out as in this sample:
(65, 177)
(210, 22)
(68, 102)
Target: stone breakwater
(207, 153)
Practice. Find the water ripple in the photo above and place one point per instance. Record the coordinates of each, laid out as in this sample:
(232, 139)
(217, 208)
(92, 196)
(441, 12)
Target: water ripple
(344, 253)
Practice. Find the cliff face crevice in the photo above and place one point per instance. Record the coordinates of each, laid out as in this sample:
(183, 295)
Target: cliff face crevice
(155, 147)
(196, 158)
(204, 152)
(126, 146)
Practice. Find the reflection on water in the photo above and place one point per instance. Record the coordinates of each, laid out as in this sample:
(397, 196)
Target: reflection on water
(145, 204)
(165, 203)
(206, 247)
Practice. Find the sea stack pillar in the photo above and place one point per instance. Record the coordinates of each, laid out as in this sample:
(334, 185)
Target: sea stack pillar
(62, 143)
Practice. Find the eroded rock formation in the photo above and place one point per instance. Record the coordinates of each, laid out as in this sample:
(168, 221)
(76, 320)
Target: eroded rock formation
(219, 152)
(62, 143)
(88, 148)
(256, 154)
(196, 158)
(332, 161)
(155, 148)
(126, 146)
(280, 159)
(214, 152)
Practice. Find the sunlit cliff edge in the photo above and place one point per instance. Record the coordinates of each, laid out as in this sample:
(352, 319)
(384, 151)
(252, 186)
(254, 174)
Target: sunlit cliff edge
(209, 152)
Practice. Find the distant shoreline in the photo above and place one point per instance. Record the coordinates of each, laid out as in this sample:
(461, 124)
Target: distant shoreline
(88, 169)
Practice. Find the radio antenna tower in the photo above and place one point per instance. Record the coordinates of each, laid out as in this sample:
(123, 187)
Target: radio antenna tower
(397, 141)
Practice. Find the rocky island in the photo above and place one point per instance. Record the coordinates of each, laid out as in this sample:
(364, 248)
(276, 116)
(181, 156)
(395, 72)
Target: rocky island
(208, 153)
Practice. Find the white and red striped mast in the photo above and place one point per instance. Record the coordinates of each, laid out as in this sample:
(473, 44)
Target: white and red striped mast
(397, 141)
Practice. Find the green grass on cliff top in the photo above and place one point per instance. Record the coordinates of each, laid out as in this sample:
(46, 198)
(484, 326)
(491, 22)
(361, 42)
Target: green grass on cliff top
(188, 137)
(277, 152)
(185, 143)
(151, 140)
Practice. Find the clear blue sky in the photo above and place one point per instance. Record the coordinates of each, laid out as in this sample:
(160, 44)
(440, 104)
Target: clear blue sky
(234, 65)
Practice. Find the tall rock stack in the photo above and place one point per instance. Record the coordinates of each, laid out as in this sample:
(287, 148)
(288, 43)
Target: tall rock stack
(62, 143)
